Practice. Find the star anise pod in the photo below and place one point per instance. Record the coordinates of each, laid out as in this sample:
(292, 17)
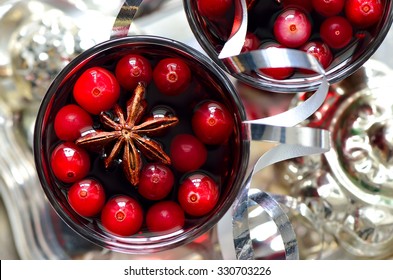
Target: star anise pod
(130, 136)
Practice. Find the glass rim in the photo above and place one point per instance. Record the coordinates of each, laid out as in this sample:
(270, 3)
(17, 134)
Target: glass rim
(136, 244)
(295, 85)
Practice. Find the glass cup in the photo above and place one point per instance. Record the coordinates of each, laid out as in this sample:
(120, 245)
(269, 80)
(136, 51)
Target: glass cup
(228, 162)
(214, 32)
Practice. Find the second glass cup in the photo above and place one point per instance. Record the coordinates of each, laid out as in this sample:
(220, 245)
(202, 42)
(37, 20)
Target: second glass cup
(342, 36)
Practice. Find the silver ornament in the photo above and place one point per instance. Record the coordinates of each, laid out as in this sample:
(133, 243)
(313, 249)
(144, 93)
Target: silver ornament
(41, 47)
(349, 190)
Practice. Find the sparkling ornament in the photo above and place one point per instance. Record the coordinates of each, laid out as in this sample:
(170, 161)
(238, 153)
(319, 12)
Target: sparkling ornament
(348, 192)
(41, 47)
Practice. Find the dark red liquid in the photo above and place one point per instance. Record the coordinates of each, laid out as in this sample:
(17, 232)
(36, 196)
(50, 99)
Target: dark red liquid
(261, 18)
(222, 163)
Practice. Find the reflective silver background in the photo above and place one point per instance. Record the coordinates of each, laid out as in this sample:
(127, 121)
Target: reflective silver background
(25, 49)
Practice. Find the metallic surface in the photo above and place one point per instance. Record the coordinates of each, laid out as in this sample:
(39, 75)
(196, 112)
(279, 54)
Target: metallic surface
(348, 189)
(358, 53)
(237, 37)
(331, 221)
(124, 18)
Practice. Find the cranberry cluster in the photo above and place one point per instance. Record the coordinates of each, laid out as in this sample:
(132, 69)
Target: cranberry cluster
(323, 28)
(175, 192)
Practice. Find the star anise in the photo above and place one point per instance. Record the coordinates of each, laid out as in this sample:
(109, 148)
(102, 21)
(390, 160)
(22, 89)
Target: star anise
(130, 136)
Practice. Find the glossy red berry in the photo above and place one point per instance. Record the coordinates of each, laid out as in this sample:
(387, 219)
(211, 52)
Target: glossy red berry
(69, 162)
(86, 197)
(251, 42)
(336, 32)
(187, 153)
(292, 28)
(276, 73)
(320, 51)
(213, 9)
(212, 122)
(155, 181)
(96, 90)
(363, 13)
(165, 217)
(132, 69)
(172, 76)
(122, 215)
(328, 8)
(198, 194)
(70, 121)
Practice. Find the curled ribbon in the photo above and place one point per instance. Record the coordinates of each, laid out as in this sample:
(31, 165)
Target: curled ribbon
(292, 141)
(124, 18)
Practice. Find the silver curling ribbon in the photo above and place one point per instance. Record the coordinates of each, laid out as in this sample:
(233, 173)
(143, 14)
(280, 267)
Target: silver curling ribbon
(291, 142)
(252, 61)
(237, 37)
(124, 18)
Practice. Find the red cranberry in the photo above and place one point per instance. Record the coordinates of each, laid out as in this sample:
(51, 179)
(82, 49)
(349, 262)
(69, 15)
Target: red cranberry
(212, 123)
(280, 73)
(122, 215)
(292, 28)
(172, 76)
(363, 13)
(70, 121)
(213, 9)
(187, 153)
(132, 69)
(336, 32)
(69, 162)
(86, 197)
(251, 42)
(165, 216)
(306, 5)
(320, 51)
(198, 194)
(156, 181)
(96, 90)
(328, 8)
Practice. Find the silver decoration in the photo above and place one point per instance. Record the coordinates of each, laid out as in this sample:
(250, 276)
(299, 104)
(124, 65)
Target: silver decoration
(293, 143)
(19, 184)
(124, 18)
(41, 46)
(281, 57)
(349, 189)
(237, 37)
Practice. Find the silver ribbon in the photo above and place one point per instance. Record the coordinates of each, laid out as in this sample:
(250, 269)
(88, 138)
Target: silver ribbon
(292, 141)
(124, 18)
(236, 40)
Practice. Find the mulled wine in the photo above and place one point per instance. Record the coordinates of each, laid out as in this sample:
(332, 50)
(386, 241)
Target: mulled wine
(144, 147)
(341, 34)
